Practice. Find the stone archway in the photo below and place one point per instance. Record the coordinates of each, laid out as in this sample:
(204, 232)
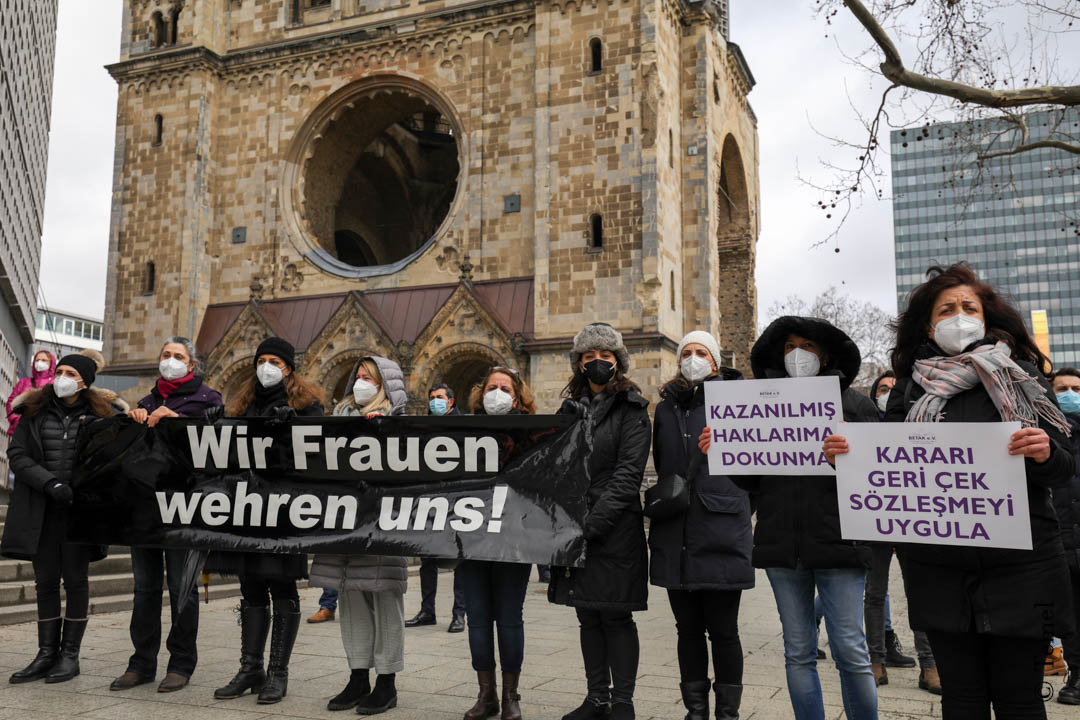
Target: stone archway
(229, 380)
(735, 239)
(462, 366)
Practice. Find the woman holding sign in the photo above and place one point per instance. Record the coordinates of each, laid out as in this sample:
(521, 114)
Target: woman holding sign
(495, 591)
(371, 588)
(274, 391)
(702, 556)
(797, 539)
(613, 583)
(963, 354)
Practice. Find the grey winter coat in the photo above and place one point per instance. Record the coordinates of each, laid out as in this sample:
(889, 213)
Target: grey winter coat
(371, 573)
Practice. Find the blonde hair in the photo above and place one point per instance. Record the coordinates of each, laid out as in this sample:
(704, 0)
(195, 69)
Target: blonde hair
(379, 403)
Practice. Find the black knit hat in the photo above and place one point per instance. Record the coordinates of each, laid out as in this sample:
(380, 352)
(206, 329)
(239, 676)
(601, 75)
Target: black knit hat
(83, 365)
(276, 346)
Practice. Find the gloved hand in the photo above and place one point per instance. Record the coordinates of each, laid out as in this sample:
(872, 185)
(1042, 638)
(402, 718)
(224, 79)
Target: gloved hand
(573, 407)
(282, 415)
(213, 414)
(60, 492)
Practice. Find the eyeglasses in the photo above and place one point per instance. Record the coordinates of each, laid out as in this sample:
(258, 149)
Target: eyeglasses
(501, 369)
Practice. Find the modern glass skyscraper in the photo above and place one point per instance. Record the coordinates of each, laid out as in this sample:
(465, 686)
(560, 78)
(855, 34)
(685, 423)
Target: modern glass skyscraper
(1015, 219)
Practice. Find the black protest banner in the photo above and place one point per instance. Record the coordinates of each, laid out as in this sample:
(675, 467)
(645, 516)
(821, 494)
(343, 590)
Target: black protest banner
(510, 488)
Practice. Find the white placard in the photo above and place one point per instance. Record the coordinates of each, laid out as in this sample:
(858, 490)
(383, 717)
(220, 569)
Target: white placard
(772, 427)
(933, 483)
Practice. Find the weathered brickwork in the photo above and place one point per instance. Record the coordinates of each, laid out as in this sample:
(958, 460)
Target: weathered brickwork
(254, 135)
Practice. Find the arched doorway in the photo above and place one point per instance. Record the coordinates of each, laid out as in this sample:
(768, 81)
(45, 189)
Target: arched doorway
(735, 245)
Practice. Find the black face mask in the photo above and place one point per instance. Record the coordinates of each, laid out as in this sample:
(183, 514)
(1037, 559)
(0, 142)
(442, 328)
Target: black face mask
(599, 372)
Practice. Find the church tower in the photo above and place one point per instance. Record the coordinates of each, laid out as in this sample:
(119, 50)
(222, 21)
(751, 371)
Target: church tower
(453, 184)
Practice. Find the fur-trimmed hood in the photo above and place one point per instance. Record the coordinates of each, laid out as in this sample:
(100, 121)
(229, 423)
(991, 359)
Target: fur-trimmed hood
(103, 403)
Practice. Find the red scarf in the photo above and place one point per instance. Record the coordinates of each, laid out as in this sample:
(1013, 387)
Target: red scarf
(166, 387)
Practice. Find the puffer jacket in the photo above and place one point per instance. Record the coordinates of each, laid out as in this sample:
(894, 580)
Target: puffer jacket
(43, 451)
(371, 573)
(798, 517)
(36, 380)
(1067, 504)
(615, 576)
(995, 591)
(709, 546)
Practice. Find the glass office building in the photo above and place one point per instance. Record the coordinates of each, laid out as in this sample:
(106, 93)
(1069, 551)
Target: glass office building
(1015, 220)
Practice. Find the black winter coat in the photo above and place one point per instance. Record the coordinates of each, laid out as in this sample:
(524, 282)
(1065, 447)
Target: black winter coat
(708, 547)
(994, 591)
(1067, 504)
(615, 576)
(798, 517)
(43, 450)
(274, 566)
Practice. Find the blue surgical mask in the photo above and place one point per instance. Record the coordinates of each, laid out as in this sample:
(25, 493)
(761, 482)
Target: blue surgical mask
(437, 406)
(1069, 402)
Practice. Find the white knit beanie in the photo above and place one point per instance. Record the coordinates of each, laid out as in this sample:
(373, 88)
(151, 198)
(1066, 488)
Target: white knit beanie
(702, 338)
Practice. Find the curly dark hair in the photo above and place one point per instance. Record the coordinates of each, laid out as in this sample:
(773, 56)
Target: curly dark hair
(1003, 322)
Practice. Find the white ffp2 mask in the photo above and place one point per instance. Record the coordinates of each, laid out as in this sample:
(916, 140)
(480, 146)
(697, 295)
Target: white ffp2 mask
(955, 334)
(695, 368)
(497, 402)
(802, 363)
(269, 375)
(64, 386)
(364, 391)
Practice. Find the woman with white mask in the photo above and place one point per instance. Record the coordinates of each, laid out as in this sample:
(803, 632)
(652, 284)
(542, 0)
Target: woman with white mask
(701, 556)
(495, 591)
(275, 390)
(371, 588)
(179, 391)
(797, 538)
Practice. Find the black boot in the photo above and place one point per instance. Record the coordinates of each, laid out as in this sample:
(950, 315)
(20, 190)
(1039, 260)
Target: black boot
(1070, 692)
(383, 697)
(254, 625)
(66, 666)
(894, 653)
(286, 624)
(695, 696)
(359, 687)
(48, 632)
(728, 700)
(589, 710)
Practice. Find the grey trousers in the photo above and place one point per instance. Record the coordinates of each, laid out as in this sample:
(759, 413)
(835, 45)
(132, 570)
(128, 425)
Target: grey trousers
(877, 587)
(373, 630)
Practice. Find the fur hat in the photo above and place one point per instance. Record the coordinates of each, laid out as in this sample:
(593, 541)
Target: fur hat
(276, 346)
(96, 356)
(701, 338)
(600, 336)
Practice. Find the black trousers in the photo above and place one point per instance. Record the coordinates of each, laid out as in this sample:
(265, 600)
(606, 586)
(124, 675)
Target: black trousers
(610, 649)
(1070, 646)
(56, 558)
(258, 591)
(980, 671)
(715, 613)
(152, 566)
(429, 584)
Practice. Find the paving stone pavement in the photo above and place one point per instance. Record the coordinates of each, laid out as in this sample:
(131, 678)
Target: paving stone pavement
(438, 682)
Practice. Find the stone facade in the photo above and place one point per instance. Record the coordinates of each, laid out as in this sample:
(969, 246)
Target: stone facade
(379, 156)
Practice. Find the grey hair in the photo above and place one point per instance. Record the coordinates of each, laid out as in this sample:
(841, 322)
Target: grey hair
(189, 347)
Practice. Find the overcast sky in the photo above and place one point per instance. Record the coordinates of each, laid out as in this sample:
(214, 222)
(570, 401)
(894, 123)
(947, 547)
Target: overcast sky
(802, 83)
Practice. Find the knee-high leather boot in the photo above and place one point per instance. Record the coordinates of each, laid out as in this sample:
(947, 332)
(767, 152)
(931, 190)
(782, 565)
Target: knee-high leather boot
(66, 666)
(282, 639)
(48, 651)
(254, 626)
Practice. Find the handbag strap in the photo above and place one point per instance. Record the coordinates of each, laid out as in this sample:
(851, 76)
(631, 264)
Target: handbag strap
(696, 455)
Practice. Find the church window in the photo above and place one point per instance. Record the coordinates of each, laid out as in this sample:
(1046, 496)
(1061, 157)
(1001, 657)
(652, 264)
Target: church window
(159, 128)
(596, 232)
(596, 53)
(150, 279)
(157, 30)
(320, 3)
(174, 21)
(670, 148)
(671, 288)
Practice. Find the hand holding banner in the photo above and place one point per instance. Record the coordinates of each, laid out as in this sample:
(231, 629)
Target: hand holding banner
(933, 483)
(772, 427)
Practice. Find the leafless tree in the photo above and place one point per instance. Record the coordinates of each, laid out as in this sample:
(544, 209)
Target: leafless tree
(985, 65)
(865, 323)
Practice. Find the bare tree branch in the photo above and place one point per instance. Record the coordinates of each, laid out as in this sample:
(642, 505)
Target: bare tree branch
(894, 70)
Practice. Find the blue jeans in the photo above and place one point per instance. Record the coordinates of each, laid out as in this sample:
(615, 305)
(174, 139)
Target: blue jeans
(819, 612)
(842, 599)
(494, 597)
(328, 600)
(149, 565)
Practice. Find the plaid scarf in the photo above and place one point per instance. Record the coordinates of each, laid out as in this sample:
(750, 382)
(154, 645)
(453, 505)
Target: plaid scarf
(1016, 395)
